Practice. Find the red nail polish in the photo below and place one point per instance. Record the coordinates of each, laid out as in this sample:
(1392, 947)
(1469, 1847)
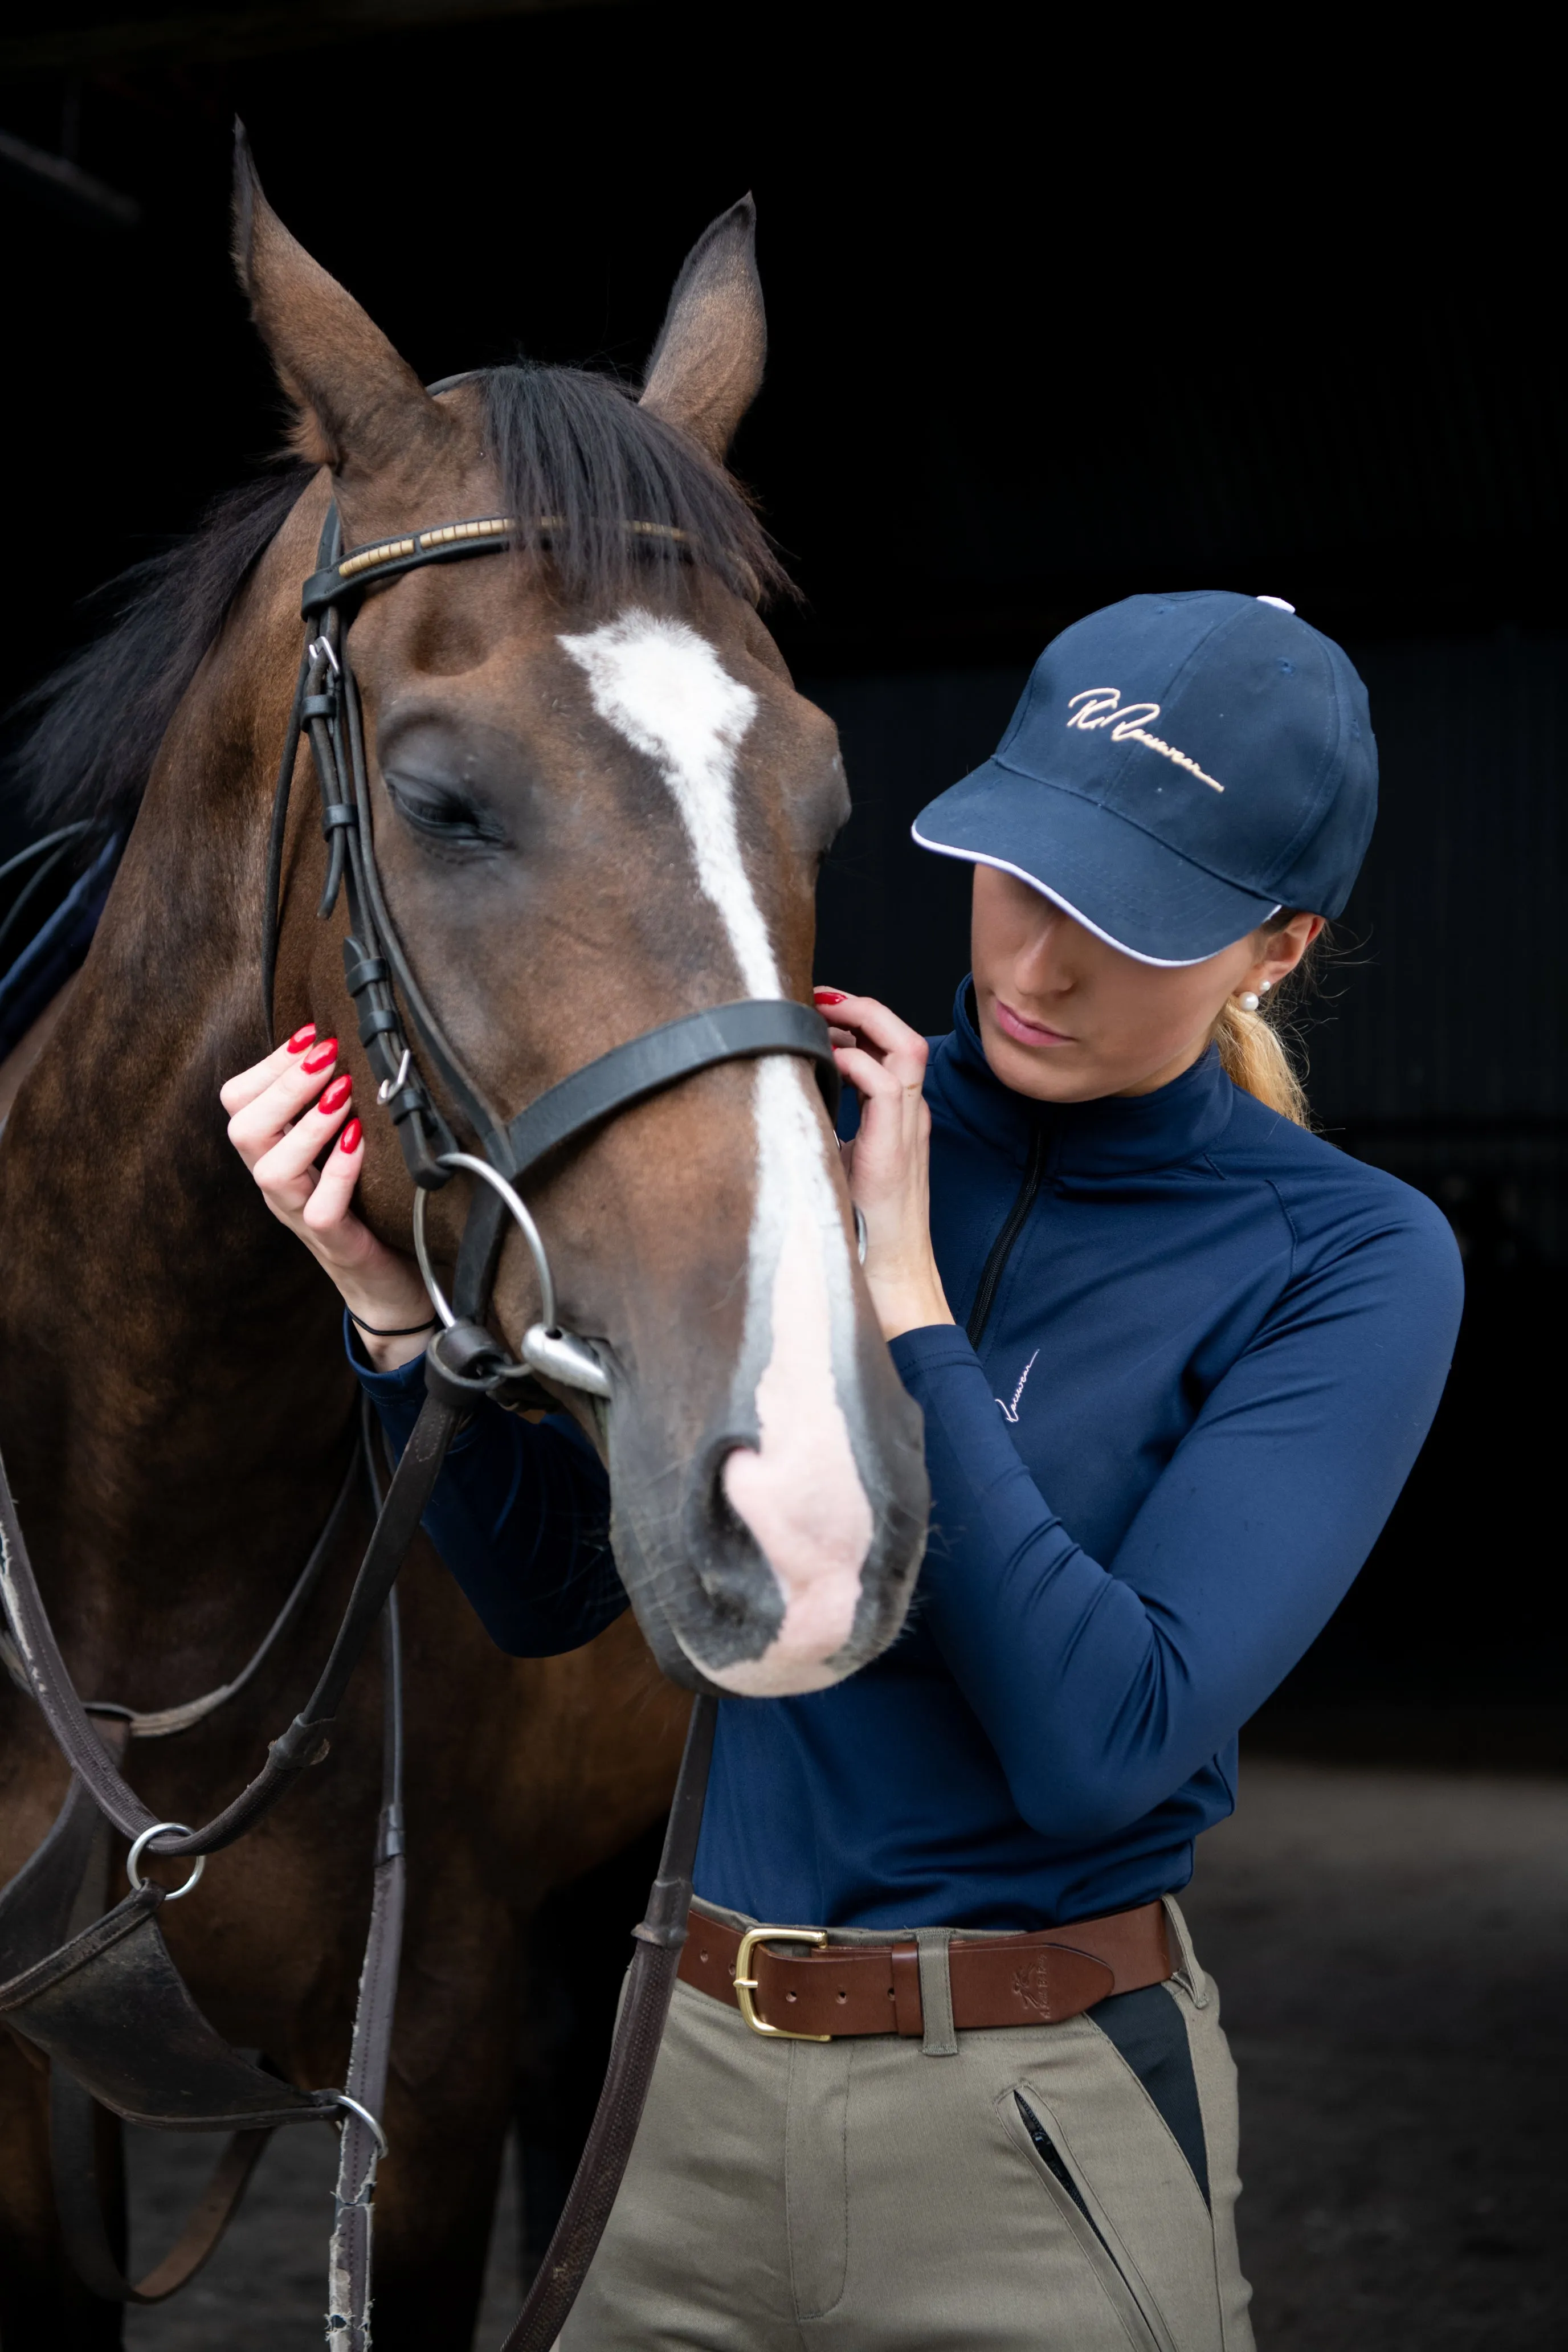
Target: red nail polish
(349, 1140)
(336, 1095)
(828, 995)
(303, 1037)
(325, 1055)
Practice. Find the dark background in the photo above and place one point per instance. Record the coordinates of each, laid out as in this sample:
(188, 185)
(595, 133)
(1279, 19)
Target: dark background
(1053, 317)
(1060, 309)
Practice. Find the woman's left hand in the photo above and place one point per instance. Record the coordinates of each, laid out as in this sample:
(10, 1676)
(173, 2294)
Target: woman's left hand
(889, 1164)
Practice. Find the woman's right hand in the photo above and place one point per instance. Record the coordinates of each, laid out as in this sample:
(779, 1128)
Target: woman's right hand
(282, 1112)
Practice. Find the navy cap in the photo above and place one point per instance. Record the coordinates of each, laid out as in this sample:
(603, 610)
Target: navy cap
(1179, 768)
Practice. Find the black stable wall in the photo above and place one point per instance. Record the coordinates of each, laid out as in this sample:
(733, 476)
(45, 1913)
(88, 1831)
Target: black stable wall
(1050, 323)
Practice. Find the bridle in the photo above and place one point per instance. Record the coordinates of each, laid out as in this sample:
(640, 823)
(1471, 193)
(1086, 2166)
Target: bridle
(381, 981)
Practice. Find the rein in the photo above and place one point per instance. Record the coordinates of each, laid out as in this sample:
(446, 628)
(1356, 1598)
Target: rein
(60, 1997)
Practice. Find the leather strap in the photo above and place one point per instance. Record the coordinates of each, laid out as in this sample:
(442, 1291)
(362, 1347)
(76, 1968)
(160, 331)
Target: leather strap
(306, 1740)
(75, 2123)
(349, 2267)
(1000, 1981)
(659, 1058)
(659, 1936)
(79, 2127)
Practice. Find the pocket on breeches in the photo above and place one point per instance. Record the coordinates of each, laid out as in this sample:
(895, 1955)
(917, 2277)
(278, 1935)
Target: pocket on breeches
(1113, 2271)
(1138, 2162)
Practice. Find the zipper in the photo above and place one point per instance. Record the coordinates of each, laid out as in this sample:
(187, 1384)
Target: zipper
(1141, 2324)
(1002, 1248)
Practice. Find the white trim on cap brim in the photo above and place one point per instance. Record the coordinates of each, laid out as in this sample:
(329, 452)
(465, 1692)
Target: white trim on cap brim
(1161, 963)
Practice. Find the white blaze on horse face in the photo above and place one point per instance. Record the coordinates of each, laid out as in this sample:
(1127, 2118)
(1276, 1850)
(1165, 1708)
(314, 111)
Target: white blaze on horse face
(664, 691)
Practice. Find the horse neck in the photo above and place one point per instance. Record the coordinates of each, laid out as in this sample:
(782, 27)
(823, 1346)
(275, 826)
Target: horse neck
(174, 1398)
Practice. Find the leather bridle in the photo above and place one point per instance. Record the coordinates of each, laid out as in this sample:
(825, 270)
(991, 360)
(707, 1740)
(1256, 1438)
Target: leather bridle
(379, 973)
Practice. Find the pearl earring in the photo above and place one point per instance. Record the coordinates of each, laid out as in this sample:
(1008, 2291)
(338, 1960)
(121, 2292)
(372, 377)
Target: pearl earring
(1248, 1001)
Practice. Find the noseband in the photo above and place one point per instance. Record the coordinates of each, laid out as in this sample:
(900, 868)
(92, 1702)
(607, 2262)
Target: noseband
(395, 1022)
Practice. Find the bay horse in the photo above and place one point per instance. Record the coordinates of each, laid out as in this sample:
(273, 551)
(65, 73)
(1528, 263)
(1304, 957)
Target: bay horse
(598, 804)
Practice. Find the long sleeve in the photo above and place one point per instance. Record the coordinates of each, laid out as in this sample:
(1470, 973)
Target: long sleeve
(520, 1514)
(1104, 1686)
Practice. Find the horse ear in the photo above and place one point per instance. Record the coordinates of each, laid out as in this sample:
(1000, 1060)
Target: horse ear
(360, 406)
(706, 364)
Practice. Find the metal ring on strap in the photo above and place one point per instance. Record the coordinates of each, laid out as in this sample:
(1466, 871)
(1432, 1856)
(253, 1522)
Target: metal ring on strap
(531, 1235)
(133, 1859)
(341, 2099)
(559, 1355)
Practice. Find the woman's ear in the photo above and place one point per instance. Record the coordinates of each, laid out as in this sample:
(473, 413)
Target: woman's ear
(1282, 950)
(359, 407)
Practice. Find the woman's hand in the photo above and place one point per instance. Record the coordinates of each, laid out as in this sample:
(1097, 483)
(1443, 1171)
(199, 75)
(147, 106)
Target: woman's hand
(281, 1115)
(889, 1164)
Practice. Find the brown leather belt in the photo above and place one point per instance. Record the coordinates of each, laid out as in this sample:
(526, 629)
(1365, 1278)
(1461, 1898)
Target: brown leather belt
(795, 1983)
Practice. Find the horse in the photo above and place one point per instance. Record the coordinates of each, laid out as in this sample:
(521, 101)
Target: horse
(598, 804)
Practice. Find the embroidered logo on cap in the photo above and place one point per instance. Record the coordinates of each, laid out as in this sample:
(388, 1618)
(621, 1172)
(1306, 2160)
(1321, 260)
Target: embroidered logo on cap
(1103, 706)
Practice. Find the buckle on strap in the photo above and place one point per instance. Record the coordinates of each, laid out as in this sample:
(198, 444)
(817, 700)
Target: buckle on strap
(746, 1986)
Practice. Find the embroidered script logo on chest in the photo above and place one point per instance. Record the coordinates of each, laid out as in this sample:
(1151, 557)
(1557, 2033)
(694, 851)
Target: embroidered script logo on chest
(1103, 706)
(1010, 1412)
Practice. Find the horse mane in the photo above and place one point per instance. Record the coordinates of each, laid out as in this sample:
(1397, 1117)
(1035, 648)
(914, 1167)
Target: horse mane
(580, 463)
(93, 728)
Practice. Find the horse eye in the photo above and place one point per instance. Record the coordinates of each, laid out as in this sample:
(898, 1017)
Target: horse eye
(436, 809)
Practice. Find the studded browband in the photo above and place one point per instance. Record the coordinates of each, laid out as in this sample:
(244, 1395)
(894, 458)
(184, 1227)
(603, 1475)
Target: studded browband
(384, 559)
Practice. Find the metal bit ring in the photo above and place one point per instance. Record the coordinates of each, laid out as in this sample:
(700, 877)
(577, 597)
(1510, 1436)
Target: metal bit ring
(133, 1859)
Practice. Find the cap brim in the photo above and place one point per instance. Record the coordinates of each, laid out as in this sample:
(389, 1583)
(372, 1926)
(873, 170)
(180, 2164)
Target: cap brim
(1132, 891)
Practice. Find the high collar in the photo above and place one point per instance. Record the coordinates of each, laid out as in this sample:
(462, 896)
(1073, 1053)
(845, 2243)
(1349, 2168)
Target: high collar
(1116, 1135)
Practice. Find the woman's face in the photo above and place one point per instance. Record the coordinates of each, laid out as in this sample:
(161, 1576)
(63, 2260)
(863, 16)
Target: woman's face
(1066, 1018)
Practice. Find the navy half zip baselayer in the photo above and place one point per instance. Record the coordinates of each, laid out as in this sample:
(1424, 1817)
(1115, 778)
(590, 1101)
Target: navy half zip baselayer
(1208, 1347)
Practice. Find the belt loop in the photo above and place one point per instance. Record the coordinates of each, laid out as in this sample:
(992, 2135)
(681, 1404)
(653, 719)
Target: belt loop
(1186, 1972)
(908, 2014)
(936, 1992)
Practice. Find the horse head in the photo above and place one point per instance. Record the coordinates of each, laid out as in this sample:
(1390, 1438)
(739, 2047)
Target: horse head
(598, 804)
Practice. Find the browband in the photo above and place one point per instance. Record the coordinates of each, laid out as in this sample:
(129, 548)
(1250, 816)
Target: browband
(386, 559)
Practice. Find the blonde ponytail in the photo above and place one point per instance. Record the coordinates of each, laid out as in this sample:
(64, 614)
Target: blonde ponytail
(1252, 1052)
(1254, 1057)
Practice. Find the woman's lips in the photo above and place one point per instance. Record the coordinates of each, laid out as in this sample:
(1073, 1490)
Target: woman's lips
(1024, 1031)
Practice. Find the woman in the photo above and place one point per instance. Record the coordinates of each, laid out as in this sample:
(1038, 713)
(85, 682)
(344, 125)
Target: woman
(1199, 1350)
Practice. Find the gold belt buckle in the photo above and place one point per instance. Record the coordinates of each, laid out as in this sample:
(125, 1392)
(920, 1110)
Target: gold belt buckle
(746, 1986)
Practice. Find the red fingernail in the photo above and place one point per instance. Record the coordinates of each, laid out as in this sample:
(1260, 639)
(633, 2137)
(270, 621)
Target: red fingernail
(336, 1095)
(302, 1037)
(325, 1055)
(349, 1140)
(828, 995)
